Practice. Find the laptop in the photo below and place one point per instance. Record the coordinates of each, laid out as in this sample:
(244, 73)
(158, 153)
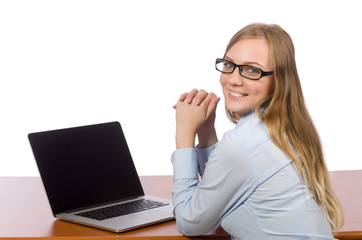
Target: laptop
(90, 178)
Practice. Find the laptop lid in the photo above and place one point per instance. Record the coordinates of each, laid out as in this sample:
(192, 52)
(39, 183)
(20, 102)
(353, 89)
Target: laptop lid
(85, 166)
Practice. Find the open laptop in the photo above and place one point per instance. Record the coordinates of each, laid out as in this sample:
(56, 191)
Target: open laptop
(88, 168)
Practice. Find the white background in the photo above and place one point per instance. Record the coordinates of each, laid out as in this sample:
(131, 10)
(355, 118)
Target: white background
(67, 63)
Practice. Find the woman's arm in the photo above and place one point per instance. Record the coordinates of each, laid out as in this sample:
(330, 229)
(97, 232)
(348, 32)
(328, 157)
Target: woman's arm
(199, 206)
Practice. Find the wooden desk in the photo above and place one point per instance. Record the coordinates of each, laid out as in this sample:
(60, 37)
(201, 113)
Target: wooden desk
(348, 185)
(25, 211)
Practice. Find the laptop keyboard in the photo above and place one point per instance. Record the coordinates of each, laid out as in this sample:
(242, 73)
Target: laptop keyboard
(121, 209)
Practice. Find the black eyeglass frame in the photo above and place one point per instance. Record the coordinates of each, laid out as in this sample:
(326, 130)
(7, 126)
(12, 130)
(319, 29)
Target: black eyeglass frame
(219, 60)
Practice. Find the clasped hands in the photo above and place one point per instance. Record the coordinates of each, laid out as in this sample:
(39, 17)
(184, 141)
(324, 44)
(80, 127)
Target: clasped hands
(195, 115)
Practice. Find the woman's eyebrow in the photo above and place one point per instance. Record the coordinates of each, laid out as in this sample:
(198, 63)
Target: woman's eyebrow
(254, 63)
(245, 63)
(229, 59)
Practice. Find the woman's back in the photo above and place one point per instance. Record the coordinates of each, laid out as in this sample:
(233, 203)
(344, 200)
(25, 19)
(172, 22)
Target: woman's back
(263, 195)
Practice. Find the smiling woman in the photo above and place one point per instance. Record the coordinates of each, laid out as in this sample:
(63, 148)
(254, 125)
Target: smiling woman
(241, 92)
(267, 177)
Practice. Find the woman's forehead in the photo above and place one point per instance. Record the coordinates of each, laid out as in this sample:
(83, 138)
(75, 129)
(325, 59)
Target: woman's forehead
(250, 50)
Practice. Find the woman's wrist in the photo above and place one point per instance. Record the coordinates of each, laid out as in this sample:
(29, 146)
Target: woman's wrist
(185, 140)
(207, 139)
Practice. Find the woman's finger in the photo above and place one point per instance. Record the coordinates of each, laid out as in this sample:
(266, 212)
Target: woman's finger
(213, 104)
(183, 97)
(200, 97)
(191, 95)
(210, 102)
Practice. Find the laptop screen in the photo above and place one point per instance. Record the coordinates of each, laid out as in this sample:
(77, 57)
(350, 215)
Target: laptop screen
(85, 166)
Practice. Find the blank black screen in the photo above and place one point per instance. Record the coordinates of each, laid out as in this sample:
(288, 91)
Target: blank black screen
(85, 166)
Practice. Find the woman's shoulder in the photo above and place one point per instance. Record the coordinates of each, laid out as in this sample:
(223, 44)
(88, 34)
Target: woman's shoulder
(250, 131)
(237, 144)
(248, 146)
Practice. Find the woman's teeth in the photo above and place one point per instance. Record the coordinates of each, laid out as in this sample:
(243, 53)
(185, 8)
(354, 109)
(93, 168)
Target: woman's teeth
(236, 94)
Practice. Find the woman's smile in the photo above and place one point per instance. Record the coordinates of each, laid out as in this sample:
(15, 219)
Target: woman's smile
(237, 95)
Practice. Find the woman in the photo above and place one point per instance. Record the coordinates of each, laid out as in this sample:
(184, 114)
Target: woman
(265, 179)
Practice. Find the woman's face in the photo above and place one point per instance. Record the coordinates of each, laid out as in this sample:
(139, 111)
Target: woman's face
(242, 94)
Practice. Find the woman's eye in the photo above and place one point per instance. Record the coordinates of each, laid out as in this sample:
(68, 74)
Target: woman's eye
(228, 65)
(252, 70)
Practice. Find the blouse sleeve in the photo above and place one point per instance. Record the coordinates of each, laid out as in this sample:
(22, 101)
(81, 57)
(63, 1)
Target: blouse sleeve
(228, 179)
(203, 157)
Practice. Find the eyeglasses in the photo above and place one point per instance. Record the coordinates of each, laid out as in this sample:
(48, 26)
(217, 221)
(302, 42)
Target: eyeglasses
(247, 71)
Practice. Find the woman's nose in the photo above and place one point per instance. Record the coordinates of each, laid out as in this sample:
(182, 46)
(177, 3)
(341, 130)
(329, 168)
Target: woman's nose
(235, 78)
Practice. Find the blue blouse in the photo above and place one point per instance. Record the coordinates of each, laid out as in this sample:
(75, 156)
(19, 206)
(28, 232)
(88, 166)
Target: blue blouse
(249, 187)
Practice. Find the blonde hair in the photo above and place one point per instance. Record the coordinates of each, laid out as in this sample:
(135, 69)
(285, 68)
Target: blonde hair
(288, 121)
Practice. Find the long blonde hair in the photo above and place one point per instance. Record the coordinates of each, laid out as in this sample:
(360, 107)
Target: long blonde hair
(288, 121)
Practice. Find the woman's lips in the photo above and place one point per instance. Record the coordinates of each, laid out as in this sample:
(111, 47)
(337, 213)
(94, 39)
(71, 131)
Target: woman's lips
(237, 94)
